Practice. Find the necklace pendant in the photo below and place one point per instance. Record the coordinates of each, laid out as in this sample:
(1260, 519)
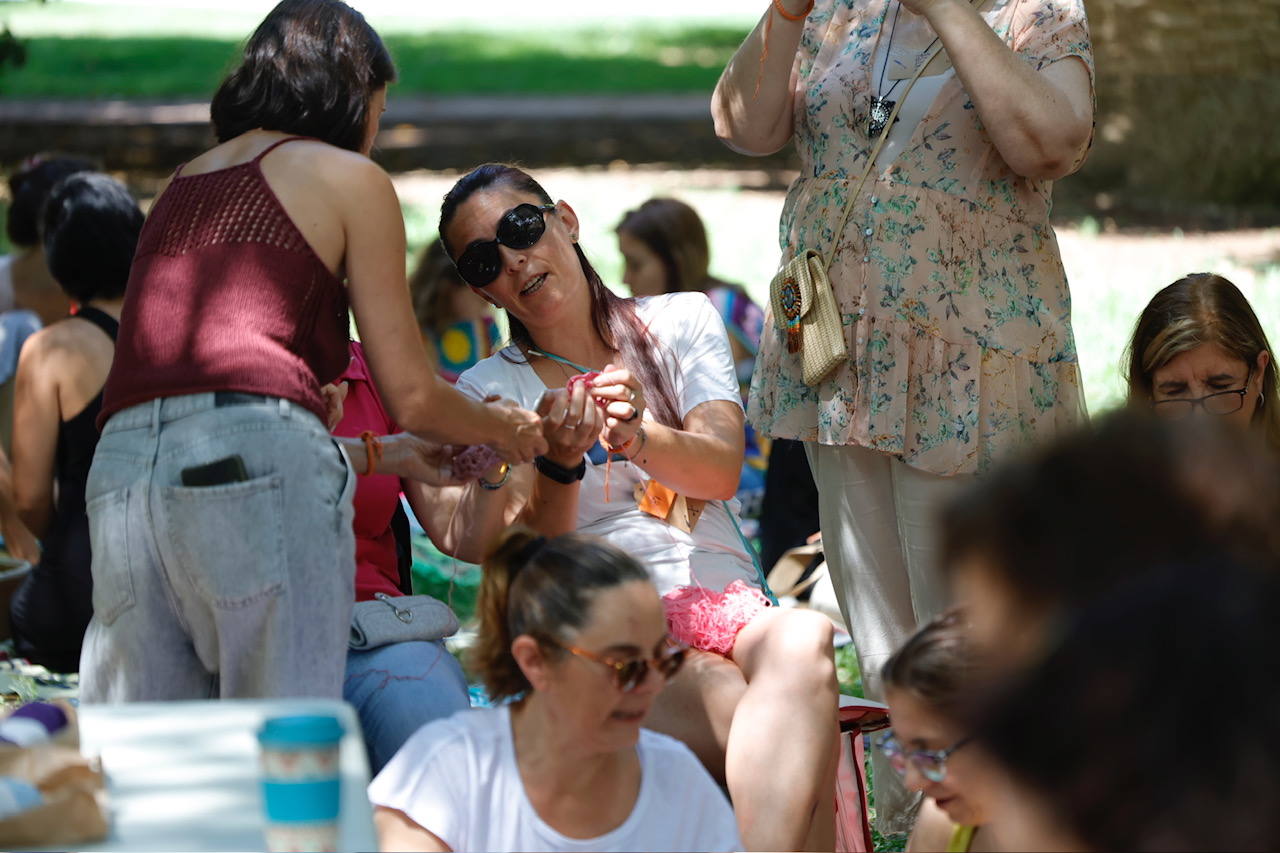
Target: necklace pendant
(878, 115)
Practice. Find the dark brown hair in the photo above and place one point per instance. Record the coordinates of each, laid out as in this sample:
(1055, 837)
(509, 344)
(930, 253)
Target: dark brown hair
(1108, 735)
(310, 68)
(935, 665)
(89, 227)
(29, 187)
(674, 232)
(1071, 520)
(542, 588)
(614, 318)
(1197, 309)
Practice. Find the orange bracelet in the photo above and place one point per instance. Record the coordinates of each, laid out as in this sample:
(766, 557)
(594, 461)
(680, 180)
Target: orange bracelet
(372, 450)
(768, 31)
(777, 5)
(622, 447)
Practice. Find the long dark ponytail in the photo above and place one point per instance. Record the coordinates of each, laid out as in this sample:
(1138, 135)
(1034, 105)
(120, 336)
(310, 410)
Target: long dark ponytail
(613, 317)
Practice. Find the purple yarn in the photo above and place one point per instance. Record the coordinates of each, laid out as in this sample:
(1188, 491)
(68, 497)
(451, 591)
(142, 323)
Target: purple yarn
(20, 726)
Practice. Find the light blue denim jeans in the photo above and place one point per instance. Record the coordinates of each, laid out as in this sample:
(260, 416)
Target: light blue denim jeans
(398, 688)
(235, 591)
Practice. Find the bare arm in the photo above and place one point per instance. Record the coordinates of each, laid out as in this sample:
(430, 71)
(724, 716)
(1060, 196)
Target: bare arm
(17, 538)
(406, 456)
(397, 831)
(759, 121)
(36, 416)
(415, 396)
(1040, 121)
(702, 460)
(465, 522)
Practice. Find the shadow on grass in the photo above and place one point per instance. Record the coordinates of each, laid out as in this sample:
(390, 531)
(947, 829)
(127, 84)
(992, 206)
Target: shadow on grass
(631, 60)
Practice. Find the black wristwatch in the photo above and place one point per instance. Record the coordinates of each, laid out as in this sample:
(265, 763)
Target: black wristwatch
(559, 473)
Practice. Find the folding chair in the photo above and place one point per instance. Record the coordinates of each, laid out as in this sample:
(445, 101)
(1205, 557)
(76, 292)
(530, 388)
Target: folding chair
(853, 823)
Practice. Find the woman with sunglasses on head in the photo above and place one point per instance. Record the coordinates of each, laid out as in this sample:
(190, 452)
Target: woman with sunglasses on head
(927, 682)
(220, 506)
(647, 454)
(572, 632)
(1198, 348)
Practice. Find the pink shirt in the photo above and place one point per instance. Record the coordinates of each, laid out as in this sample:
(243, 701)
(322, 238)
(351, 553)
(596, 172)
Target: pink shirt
(377, 496)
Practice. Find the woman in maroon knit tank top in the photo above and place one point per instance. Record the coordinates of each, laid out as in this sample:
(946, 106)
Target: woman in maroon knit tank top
(219, 506)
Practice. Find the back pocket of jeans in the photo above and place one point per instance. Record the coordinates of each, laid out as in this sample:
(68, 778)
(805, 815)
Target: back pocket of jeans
(228, 540)
(109, 546)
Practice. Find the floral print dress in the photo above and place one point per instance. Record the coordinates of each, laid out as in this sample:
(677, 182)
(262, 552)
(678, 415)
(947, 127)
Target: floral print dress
(955, 305)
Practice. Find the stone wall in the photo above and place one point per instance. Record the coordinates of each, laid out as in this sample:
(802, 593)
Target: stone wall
(1188, 109)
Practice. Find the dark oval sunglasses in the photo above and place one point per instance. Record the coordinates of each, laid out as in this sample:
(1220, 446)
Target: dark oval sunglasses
(630, 673)
(519, 228)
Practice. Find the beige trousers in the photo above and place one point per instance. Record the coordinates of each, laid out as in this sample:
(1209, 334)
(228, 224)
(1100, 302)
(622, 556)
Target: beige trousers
(879, 535)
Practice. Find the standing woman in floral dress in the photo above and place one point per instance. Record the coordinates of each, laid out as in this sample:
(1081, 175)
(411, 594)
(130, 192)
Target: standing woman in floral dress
(946, 274)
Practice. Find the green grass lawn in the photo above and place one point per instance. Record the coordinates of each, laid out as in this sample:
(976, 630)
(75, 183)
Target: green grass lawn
(80, 51)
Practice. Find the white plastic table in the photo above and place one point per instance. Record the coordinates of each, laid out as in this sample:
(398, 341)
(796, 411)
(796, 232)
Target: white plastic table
(183, 776)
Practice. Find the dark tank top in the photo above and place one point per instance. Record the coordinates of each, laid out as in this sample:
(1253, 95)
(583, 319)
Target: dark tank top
(225, 294)
(50, 611)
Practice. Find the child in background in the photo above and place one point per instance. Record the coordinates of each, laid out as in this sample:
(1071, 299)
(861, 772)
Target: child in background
(458, 324)
(926, 681)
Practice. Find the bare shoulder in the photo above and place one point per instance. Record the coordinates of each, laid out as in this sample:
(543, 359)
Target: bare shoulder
(309, 166)
(932, 831)
(347, 172)
(60, 341)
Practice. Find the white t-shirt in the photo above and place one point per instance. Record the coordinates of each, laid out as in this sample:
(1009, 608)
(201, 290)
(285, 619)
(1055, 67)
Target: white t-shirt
(458, 779)
(700, 364)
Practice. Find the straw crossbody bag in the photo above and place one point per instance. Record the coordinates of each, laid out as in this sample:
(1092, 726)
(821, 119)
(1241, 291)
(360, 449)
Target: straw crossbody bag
(804, 307)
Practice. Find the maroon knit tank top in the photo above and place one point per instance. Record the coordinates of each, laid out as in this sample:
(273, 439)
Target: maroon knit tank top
(225, 294)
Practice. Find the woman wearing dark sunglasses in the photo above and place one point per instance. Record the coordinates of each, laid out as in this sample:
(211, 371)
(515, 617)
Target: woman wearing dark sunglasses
(571, 630)
(647, 454)
(1197, 349)
(927, 682)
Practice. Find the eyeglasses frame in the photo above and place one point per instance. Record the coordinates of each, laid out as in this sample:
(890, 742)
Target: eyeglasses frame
(938, 755)
(1198, 402)
(673, 650)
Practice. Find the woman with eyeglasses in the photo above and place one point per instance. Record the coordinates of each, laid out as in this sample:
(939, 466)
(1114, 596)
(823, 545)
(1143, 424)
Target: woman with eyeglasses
(925, 684)
(647, 454)
(573, 645)
(1198, 348)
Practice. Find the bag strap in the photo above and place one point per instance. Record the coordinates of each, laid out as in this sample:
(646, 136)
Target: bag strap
(875, 152)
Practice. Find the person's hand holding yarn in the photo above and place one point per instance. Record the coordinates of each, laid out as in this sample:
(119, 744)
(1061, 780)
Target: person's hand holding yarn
(528, 434)
(418, 459)
(623, 395)
(571, 423)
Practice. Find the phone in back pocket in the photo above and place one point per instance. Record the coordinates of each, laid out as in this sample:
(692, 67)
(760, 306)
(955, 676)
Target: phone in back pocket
(216, 473)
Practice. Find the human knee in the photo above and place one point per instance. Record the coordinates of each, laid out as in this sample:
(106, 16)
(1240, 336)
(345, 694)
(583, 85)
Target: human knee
(800, 646)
